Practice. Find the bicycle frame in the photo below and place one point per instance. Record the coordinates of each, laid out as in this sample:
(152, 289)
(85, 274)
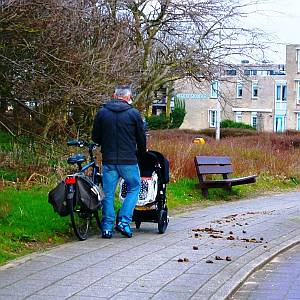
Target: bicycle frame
(75, 208)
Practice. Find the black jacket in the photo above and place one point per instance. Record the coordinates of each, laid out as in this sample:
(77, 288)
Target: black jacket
(119, 130)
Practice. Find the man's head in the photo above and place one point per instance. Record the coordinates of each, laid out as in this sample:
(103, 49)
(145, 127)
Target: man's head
(123, 92)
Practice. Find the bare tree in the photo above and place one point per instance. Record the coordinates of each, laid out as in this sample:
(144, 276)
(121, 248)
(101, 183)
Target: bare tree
(60, 59)
(188, 37)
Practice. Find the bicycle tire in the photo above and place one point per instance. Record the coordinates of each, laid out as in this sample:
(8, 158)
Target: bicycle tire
(80, 219)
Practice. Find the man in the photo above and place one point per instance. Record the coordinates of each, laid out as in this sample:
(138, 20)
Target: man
(118, 128)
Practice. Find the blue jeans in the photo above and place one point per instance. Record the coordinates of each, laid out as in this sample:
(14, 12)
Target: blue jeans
(111, 175)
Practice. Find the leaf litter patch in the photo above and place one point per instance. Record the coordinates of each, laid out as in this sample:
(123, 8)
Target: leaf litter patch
(219, 234)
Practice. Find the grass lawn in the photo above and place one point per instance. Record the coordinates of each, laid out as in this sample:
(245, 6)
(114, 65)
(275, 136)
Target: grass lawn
(27, 222)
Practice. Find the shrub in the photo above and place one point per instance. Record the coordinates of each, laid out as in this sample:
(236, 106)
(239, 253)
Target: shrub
(178, 114)
(155, 122)
(231, 124)
(228, 132)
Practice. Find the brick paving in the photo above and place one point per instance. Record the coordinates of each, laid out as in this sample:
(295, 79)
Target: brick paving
(204, 254)
(277, 280)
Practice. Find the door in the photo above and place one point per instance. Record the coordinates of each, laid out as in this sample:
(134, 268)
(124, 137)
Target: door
(279, 125)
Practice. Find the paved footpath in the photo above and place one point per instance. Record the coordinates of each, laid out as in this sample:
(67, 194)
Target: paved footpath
(204, 254)
(277, 280)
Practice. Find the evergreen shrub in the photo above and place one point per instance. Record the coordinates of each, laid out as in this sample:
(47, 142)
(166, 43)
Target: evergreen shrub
(232, 124)
(178, 114)
(155, 122)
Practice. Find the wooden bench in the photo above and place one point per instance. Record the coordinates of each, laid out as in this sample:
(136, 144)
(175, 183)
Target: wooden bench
(218, 165)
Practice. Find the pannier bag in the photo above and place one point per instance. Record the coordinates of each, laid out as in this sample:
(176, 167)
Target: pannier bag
(89, 194)
(148, 190)
(57, 198)
(86, 192)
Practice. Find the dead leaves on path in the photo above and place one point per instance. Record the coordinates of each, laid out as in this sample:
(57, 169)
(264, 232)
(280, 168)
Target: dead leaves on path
(214, 233)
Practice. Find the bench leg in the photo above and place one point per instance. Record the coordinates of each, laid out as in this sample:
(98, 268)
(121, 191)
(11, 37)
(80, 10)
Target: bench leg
(205, 193)
(228, 189)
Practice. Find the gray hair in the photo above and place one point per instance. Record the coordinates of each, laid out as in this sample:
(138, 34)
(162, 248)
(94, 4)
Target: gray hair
(123, 91)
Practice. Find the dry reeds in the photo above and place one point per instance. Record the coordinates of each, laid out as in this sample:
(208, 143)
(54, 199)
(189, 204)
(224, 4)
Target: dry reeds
(270, 154)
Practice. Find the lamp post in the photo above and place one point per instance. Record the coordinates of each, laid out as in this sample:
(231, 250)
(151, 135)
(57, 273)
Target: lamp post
(218, 117)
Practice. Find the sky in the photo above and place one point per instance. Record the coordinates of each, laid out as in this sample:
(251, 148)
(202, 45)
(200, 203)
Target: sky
(281, 20)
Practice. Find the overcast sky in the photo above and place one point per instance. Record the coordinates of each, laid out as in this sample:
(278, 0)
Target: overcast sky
(281, 19)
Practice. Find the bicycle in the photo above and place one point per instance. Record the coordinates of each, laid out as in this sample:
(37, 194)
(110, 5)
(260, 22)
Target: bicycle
(81, 217)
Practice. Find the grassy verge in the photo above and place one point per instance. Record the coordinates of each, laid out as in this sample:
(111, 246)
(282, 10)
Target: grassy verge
(183, 194)
(28, 223)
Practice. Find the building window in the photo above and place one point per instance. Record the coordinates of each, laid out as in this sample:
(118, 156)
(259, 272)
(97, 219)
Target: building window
(214, 89)
(251, 72)
(298, 59)
(281, 91)
(298, 91)
(262, 72)
(239, 89)
(212, 116)
(239, 117)
(254, 89)
(298, 122)
(231, 72)
(254, 119)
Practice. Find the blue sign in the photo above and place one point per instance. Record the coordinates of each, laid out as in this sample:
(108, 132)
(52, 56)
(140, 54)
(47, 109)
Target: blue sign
(192, 96)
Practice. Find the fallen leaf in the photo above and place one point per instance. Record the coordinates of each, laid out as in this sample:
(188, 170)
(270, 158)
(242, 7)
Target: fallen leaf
(215, 236)
(218, 258)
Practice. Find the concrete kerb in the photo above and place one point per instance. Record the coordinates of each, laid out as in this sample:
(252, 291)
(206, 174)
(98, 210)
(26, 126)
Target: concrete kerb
(238, 279)
(21, 260)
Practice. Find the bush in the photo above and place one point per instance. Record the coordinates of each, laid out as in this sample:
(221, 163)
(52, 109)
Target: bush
(231, 124)
(228, 132)
(5, 141)
(177, 117)
(155, 122)
(178, 114)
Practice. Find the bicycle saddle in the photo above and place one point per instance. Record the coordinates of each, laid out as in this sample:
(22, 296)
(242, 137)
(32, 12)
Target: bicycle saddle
(76, 158)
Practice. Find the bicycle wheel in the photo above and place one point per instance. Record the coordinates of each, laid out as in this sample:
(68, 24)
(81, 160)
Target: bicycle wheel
(80, 218)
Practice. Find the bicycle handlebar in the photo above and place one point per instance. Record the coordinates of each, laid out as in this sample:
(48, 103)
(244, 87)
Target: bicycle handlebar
(79, 143)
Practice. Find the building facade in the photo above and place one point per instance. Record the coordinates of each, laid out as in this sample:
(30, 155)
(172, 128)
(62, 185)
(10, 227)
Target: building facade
(266, 96)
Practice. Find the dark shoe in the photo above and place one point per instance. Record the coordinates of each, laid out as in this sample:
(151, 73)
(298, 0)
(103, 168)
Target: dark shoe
(106, 234)
(124, 229)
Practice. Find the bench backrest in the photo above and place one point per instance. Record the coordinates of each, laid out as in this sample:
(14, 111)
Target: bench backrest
(213, 165)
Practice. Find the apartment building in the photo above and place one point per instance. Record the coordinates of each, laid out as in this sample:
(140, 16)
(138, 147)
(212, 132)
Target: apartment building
(293, 86)
(266, 96)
